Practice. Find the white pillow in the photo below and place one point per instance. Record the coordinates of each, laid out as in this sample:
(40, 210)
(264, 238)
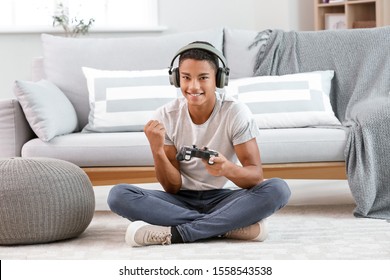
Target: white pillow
(47, 109)
(125, 100)
(296, 100)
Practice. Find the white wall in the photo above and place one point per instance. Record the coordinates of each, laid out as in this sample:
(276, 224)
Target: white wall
(17, 50)
(245, 14)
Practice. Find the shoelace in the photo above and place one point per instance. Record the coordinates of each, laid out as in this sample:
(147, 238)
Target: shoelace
(243, 230)
(158, 237)
(242, 233)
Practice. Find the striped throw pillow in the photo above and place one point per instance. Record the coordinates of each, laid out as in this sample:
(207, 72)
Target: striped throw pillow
(125, 100)
(296, 100)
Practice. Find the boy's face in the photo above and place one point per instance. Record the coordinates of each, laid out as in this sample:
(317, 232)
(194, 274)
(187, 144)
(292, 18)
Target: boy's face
(197, 82)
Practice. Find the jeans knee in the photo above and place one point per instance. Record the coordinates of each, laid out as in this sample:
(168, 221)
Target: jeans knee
(284, 191)
(115, 196)
(281, 191)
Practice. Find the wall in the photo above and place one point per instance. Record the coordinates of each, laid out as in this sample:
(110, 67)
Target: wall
(17, 50)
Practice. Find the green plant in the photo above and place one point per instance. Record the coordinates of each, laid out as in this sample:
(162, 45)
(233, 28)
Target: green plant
(72, 27)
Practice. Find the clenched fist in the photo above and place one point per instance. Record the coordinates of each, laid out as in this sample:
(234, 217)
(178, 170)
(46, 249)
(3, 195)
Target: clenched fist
(155, 132)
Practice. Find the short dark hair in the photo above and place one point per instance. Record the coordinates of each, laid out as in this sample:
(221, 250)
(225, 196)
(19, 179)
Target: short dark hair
(200, 54)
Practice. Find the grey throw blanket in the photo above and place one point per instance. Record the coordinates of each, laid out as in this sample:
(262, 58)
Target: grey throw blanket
(359, 96)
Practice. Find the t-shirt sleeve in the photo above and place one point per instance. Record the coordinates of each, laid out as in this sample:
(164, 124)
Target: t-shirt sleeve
(244, 126)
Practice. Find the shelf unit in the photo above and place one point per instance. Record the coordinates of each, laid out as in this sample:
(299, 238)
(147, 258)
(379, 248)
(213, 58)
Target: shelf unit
(357, 13)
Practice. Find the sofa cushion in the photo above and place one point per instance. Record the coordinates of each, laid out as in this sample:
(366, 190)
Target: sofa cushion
(132, 148)
(125, 100)
(64, 57)
(309, 144)
(240, 52)
(94, 149)
(47, 109)
(297, 100)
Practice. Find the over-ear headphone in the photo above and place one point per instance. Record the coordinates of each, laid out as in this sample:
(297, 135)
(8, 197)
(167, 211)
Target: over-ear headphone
(222, 77)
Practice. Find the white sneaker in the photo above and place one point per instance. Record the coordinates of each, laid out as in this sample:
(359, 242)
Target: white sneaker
(140, 233)
(255, 232)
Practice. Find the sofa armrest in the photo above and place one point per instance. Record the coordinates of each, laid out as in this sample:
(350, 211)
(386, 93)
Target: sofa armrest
(14, 128)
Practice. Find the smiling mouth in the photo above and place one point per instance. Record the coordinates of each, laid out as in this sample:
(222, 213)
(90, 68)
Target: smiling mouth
(194, 94)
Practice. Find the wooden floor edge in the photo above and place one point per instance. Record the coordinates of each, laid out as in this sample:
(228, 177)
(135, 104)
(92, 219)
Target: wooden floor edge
(101, 176)
(312, 170)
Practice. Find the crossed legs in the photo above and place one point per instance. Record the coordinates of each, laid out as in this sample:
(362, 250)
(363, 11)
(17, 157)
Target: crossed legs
(200, 214)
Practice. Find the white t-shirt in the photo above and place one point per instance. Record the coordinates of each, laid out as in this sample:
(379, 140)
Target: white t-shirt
(230, 123)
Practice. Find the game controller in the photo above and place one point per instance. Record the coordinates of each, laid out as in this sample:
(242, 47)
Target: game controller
(186, 153)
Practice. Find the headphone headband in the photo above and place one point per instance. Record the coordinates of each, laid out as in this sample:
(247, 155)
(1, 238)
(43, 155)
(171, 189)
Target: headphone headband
(201, 47)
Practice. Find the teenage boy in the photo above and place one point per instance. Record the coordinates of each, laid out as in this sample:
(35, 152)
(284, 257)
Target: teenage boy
(194, 204)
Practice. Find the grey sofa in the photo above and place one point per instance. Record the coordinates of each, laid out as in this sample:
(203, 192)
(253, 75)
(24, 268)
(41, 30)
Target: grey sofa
(303, 151)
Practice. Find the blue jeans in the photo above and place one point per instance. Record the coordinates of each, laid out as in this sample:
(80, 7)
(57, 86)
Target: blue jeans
(200, 214)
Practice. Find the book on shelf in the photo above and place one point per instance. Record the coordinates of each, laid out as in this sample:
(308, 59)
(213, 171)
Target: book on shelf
(335, 21)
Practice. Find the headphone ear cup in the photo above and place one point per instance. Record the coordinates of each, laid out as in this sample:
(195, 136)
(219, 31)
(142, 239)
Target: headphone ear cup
(222, 78)
(226, 76)
(174, 77)
(218, 78)
(177, 77)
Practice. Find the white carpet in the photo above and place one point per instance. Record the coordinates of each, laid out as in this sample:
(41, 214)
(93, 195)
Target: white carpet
(306, 232)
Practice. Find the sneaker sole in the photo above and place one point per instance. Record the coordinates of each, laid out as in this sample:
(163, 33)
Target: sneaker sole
(130, 233)
(263, 230)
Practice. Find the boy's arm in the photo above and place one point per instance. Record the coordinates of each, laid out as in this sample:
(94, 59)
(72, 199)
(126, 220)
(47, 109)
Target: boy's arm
(167, 169)
(164, 156)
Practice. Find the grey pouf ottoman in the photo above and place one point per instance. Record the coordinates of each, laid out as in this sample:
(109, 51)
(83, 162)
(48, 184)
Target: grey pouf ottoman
(43, 200)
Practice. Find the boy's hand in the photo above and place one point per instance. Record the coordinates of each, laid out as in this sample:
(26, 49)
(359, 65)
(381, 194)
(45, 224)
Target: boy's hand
(155, 132)
(220, 166)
